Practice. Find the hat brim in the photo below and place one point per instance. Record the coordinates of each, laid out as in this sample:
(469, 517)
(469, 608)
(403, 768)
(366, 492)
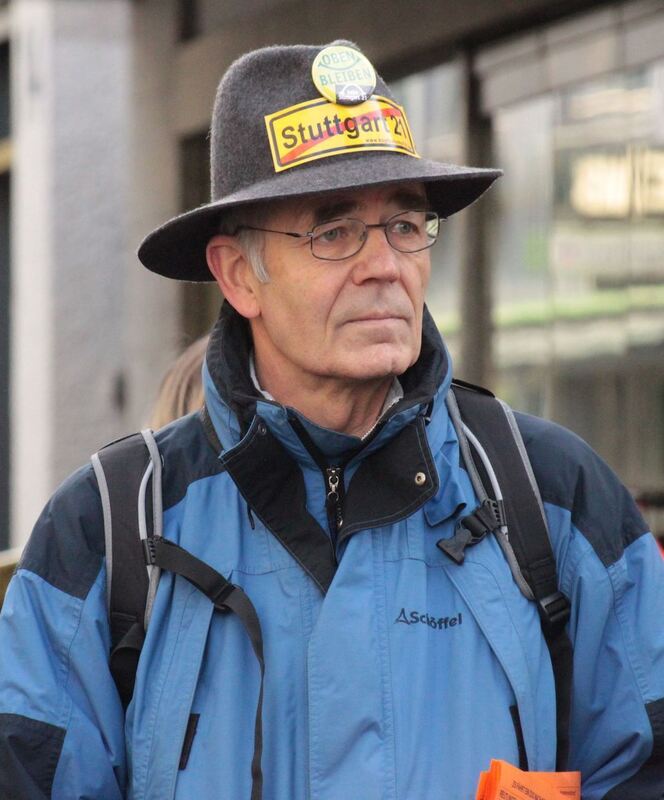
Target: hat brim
(177, 248)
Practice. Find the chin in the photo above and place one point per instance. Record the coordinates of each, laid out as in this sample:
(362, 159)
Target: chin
(378, 365)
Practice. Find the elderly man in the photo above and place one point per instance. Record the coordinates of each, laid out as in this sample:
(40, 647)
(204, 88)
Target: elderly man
(364, 658)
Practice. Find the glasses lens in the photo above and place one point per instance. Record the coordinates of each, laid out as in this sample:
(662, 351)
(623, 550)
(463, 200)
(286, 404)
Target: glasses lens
(411, 231)
(337, 239)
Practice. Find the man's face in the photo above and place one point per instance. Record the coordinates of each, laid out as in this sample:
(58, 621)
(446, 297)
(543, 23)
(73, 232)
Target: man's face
(355, 319)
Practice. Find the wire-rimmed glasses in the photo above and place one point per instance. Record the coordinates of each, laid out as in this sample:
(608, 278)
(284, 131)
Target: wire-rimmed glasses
(337, 239)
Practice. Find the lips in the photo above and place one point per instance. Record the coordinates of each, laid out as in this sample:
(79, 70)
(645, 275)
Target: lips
(376, 316)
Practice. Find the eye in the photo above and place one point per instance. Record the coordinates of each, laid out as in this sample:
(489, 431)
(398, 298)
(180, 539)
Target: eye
(332, 232)
(330, 235)
(405, 227)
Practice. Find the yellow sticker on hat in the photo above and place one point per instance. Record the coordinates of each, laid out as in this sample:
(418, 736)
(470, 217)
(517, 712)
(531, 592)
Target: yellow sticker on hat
(343, 75)
(318, 129)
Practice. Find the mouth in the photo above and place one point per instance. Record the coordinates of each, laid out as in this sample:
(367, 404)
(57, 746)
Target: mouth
(378, 317)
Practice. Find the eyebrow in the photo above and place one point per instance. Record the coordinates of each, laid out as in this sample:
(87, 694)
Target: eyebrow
(404, 198)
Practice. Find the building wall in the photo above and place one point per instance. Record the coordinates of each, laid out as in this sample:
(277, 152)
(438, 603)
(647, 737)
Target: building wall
(106, 93)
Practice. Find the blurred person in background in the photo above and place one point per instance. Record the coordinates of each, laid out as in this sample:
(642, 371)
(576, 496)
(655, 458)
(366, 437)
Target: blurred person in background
(181, 388)
(651, 505)
(349, 654)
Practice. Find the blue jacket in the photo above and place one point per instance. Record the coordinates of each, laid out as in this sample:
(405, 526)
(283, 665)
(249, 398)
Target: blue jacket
(391, 672)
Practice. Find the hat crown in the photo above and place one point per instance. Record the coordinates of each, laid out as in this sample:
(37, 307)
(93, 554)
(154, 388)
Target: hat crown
(315, 148)
(259, 83)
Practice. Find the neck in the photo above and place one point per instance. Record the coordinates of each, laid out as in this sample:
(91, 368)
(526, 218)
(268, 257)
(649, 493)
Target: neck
(345, 406)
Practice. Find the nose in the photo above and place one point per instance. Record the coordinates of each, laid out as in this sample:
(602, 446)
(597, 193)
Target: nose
(377, 260)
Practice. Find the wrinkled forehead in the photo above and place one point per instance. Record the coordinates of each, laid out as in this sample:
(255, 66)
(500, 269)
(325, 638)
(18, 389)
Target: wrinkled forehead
(383, 200)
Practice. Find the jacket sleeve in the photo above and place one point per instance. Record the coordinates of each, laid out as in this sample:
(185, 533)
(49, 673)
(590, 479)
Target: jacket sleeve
(61, 720)
(610, 569)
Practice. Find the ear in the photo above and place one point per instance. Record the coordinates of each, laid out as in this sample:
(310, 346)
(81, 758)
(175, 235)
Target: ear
(233, 273)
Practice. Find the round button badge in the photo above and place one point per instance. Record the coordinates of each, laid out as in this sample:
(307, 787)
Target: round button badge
(343, 75)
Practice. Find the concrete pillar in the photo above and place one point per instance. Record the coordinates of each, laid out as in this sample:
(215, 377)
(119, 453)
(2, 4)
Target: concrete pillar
(476, 360)
(69, 112)
(152, 304)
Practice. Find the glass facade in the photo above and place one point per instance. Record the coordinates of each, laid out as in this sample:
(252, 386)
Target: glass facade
(579, 264)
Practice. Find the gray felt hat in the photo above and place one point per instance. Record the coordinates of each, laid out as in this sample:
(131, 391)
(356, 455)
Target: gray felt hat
(245, 168)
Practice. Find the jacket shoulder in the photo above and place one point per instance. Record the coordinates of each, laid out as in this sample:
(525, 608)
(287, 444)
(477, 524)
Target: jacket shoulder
(572, 476)
(188, 456)
(66, 547)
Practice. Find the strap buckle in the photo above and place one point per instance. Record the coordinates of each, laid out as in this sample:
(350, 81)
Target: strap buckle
(486, 518)
(554, 610)
(150, 550)
(219, 600)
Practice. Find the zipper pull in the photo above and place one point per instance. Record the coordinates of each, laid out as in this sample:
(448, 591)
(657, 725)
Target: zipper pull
(333, 484)
(334, 515)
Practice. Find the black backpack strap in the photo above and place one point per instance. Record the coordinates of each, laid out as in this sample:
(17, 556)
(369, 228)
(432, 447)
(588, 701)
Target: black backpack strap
(520, 522)
(136, 552)
(121, 469)
(225, 597)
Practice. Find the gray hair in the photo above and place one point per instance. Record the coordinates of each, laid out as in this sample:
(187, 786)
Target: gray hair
(251, 241)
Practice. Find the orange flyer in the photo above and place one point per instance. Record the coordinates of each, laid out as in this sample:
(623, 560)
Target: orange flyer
(505, 782)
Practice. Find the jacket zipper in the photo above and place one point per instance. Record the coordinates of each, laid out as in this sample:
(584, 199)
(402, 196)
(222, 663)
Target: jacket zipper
(333, 476)
(335, 486)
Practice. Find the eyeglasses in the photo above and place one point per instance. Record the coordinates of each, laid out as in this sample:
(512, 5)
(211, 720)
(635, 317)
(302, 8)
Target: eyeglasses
(407, 232)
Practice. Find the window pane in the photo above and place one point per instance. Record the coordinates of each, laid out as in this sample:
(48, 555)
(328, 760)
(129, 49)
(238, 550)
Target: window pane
(579, 270)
